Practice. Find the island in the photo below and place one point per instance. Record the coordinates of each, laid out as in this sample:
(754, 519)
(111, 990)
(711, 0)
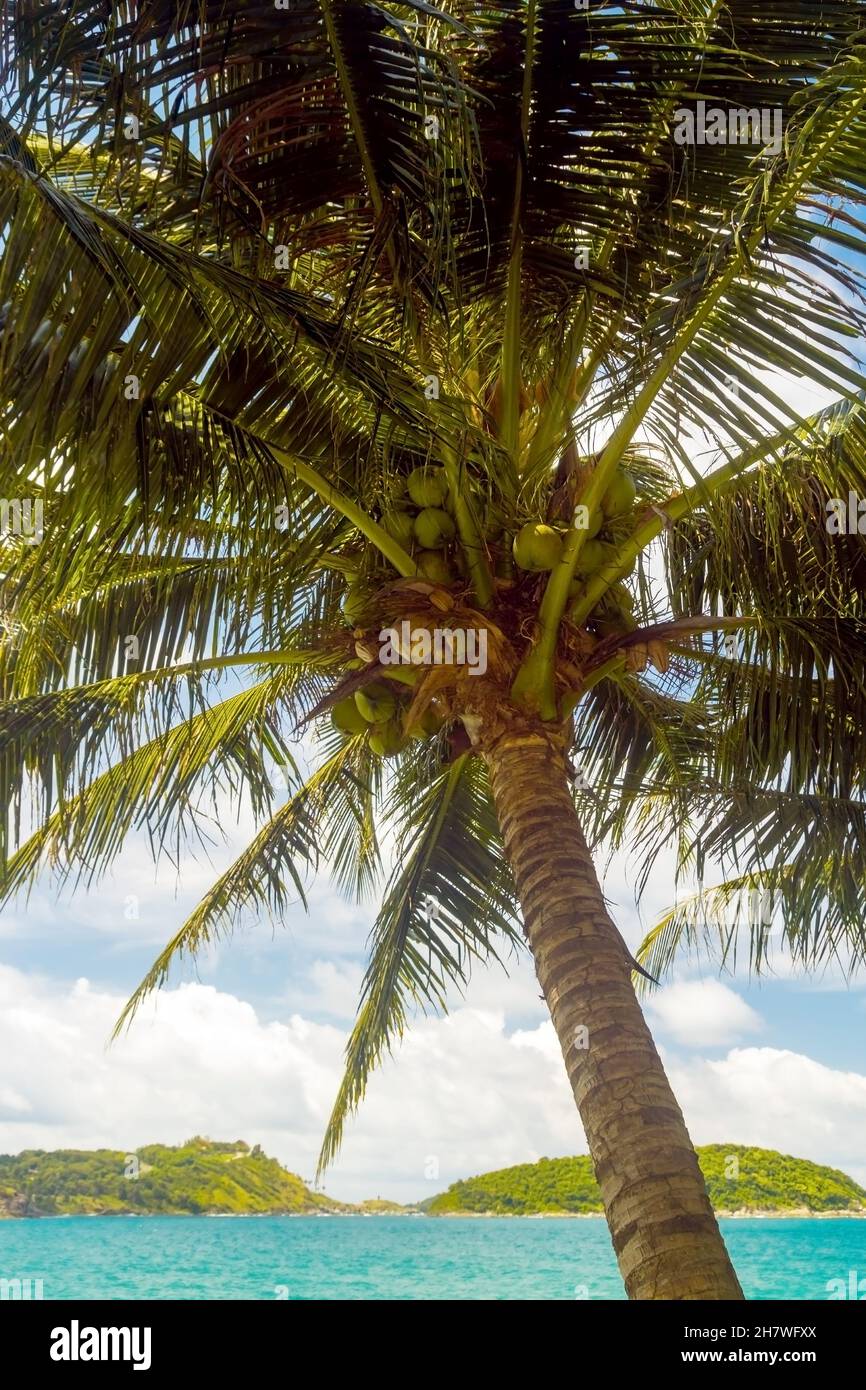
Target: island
(206, 1177)
(203, 1177)
(741, 1181)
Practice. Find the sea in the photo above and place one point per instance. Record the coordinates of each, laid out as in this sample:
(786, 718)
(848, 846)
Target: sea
(394, 1257)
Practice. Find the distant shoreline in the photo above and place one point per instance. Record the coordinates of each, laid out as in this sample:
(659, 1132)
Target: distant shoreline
(795, 1213)
(800, 1213)
(225, 1179)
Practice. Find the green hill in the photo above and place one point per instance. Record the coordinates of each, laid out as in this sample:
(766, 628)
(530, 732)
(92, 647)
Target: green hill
(200, 1177)
(205, 1177)
(738, 1179)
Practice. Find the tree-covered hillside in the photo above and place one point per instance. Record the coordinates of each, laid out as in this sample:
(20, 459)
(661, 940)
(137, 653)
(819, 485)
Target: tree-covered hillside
(198, 1177)
(738, 1179)
(203, 1177)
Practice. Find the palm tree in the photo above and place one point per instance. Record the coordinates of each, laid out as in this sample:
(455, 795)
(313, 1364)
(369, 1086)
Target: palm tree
(328, 318)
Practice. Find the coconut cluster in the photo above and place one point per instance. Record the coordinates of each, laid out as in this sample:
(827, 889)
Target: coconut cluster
(418, 516)
(420, 519)
(538, 547)
(377, 711)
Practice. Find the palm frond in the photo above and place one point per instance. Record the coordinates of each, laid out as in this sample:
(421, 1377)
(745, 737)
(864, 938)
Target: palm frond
(277, 861)
(166, 786)
(450, 902)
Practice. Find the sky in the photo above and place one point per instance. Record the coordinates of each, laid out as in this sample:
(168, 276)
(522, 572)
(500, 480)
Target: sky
(248, 1043)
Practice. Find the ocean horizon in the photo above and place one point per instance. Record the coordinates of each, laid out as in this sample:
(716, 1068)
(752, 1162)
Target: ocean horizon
(386, 1257)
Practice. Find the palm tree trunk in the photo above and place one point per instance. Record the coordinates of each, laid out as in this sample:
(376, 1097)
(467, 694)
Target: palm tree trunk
(661, 1222)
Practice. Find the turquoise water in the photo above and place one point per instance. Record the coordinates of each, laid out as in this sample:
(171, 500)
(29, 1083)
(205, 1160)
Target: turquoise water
(356, 1257)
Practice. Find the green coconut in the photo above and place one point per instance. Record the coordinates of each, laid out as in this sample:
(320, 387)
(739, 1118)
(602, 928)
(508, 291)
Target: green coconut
(594, 521)
(433, 566)
(433, 528)
(427, 724)
(620, 495)
(428, 487)
(355, 603)
(346, 717)
(593, 555)
(403, 675)
(537, 546)
(387, 739)
(399, 525)
(376, 702)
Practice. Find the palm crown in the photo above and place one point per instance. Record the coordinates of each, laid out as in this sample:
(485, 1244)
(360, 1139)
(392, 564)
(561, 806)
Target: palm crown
(324, 319)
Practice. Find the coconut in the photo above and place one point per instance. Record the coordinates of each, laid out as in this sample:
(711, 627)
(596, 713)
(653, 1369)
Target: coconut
(399, 525)
(620, 495)
(428, 487)
(346, 717)
(403, 675)
(429, 723)
(433, 528)
(375, 702)
(593, 555)
(537, 546)
(354, 605)
(433, 565)
(387, 739)
(594, 520)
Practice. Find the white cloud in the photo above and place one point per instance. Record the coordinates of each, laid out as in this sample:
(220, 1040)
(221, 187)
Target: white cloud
(461, 1095)
(201, 1061)
(334, 989)
(777, 1099)
(702, 1013)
